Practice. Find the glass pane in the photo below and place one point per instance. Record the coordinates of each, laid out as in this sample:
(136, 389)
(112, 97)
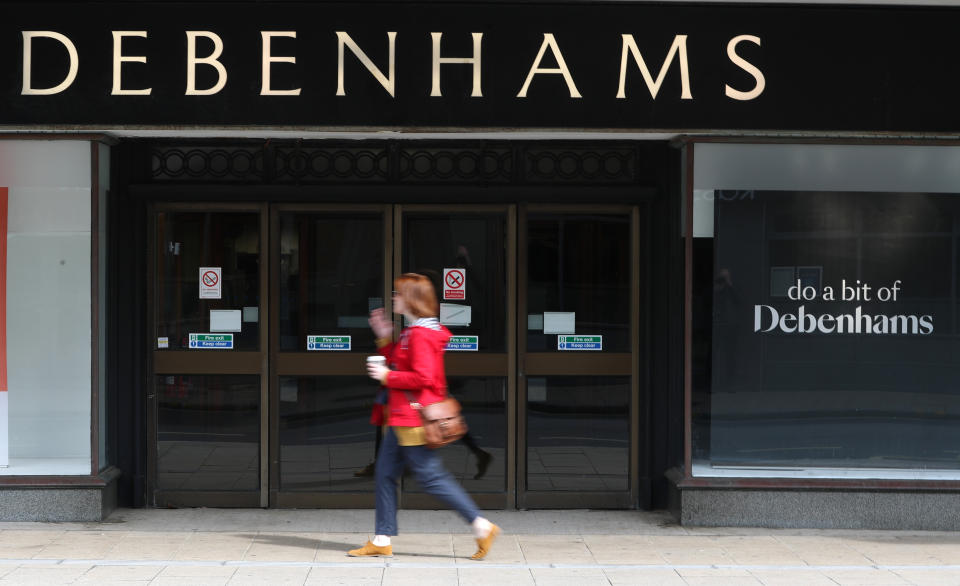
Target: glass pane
(208, 432)
(331, 276)
(187, 241)
(475, 243)
(827, 343)
(578, 266)
(578, 433)
(478, 461)
(325, 433)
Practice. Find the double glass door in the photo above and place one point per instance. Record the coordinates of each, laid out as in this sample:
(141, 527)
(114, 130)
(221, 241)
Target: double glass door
(260, 337)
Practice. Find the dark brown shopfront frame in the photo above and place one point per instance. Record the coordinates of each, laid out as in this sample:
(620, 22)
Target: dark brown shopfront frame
(269, 363)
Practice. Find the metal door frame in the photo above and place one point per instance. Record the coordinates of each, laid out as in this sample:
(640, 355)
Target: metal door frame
(573, 364)
(186, 362)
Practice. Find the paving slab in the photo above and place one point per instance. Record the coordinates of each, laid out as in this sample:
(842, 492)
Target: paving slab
(541, 548)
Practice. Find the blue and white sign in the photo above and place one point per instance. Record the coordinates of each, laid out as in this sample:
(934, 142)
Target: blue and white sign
(211, 341)
(463, 343)
(578, 343)
(328, 343)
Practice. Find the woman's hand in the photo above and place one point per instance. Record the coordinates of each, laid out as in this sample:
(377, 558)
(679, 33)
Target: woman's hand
(378, 372)
(382, 328)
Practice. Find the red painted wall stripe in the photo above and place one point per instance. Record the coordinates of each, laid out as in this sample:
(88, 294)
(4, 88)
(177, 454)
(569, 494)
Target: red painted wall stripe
(3, 289)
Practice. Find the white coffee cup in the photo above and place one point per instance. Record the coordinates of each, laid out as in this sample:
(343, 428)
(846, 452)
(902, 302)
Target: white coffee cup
(376, 360)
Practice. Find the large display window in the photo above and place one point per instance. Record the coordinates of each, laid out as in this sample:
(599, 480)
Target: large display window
(825, 312)
(46, 407)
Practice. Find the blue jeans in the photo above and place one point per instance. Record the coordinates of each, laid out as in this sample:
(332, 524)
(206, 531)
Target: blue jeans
(427, 469)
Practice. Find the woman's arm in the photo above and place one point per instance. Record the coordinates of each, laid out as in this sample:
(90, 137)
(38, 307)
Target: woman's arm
(383, 330)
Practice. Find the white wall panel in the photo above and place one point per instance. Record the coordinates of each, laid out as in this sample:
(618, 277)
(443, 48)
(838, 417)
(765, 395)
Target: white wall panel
(45, 163)
(48, 345)
(42, 210)
(817, 167)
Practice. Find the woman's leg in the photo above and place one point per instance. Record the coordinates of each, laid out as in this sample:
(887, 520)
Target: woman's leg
(379, 440)
(483, 457)
(434, 478)
(471, 443)
(388, 469)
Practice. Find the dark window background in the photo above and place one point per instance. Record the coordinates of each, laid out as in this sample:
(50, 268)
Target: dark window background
(581, 265)
(838, 399)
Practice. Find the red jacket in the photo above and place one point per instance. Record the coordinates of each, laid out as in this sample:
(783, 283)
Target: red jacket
(416, 362)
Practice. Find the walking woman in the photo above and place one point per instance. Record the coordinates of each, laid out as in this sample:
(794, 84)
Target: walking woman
(415, 375)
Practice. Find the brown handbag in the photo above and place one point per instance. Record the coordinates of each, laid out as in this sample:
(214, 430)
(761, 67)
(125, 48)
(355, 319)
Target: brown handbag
(443, 423)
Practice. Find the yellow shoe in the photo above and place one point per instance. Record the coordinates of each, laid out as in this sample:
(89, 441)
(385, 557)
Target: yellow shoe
(483, 545)
(371, 550)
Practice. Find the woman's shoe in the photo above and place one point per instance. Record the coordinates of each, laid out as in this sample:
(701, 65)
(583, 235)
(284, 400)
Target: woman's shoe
(483, 462)
(483, 545)
(371, 550)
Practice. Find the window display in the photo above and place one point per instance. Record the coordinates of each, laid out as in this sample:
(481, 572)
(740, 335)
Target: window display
(833, 332)
(825, 322)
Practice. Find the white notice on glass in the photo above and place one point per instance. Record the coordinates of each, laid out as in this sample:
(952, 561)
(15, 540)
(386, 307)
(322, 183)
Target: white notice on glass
(211, 282)
(559, 322)
(452, 314)
(535, 321)
(225, 320)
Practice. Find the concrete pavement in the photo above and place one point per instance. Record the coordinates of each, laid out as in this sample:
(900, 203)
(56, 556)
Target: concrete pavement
(582, 548)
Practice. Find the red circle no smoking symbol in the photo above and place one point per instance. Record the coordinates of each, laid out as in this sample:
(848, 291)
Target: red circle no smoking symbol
(454, 279)
(210, 279)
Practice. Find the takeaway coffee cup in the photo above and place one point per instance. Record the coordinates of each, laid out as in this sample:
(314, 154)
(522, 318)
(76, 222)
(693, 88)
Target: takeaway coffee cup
(375, 360)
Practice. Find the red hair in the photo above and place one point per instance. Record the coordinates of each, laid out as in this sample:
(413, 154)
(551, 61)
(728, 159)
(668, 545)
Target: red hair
(418, 293)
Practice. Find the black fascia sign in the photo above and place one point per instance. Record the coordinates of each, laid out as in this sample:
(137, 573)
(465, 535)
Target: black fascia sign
(621, 66)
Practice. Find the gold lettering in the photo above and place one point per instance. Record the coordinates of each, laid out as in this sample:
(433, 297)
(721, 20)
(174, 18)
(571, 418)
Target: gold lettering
(28, 89)
(119, 59)
(387, 81)
(475, 60)
(746, 66)
(268, 58)
(549, 41)
(679, 48)
(211, 60)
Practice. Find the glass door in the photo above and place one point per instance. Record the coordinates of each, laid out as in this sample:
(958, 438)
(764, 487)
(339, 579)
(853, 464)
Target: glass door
(206, 403)
(469, 254)
(545, 357)
(331, 266)
(578, 357)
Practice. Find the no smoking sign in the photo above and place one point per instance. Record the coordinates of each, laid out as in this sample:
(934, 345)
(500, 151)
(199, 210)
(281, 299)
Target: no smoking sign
(211, 282)
(454, 284)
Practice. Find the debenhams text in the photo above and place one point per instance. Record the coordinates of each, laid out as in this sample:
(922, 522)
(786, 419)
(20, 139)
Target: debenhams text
(631, 59)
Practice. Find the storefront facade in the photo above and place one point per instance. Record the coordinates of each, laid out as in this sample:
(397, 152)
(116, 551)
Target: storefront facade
(693, 259)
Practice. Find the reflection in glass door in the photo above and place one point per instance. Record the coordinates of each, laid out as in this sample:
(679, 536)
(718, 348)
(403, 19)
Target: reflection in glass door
(579, 357)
